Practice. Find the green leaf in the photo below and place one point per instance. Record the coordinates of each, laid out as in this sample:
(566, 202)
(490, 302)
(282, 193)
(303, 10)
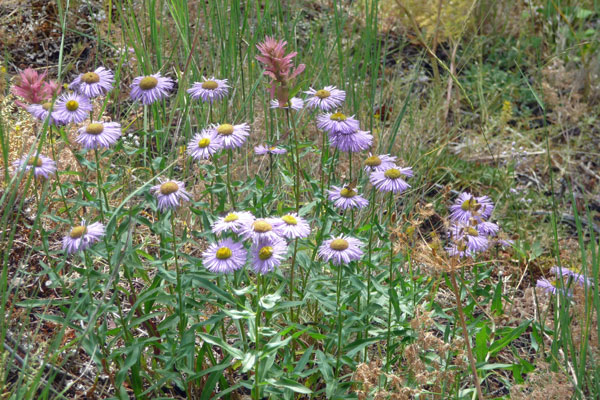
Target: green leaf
(289, 384)
(235, 353)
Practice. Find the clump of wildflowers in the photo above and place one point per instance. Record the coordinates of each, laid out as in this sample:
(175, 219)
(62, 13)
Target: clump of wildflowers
(279, 67)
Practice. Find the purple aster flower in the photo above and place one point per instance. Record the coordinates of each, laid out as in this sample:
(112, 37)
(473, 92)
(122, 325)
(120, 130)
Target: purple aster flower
(580, 278)
(41, 112)
(224, 257)
(458, 250)
(210, 90)
(346, 197)
(232, 135)
(390, 179)
(261, 229)
(204, 144)
(487, 228)
(337, 123)
(93, 84)
(234, 222)
(291, 226)
(470, 236)
(325, 99)
(341, 250)
(42, 166)
(151, 88)
(296, 103)
(72, 108)
(263, 150)
(352, 142)
(375, 163)
(83, 236)
(267, 254)
(547, 286)
(170, 194)
(468, 206)
(99, 134)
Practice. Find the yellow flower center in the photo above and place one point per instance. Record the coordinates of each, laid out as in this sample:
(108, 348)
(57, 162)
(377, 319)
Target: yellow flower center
(225, 129)
(231, 217)
(72, 105)
(347, 193)
(168, 188)
(35, 161)
(210, 85)
(323, 94)
(261, 226)
(204, 142)
(265, 253)
(78, 232)
(339, 244)
(289, 219)
(373, 161)
(95, 128)
(338, 117)
(472, 231)
(90, 77)
(148, 82)
(469, 204)
(224, 253)
(392, 173)
(272, 148)
(47, 106)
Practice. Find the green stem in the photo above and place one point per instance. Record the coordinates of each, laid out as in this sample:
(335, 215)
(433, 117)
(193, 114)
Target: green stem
(292, 126)
(339, 321)
(292, 278)
(231, 198)
(101, 191)
(257, 340)
(390, 289)
(182, 322)
(369, 255)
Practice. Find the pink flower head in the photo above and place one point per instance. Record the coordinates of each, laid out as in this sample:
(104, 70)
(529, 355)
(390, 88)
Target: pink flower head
(278, 66)
(33, 88)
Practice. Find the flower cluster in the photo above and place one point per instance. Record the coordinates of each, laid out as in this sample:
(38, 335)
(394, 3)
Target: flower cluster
(469, 231)
(266, 237)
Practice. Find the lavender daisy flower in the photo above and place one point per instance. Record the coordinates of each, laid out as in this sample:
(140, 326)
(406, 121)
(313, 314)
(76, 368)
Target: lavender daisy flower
(42, 166)
(204, 144)
(352, 142)
(151, 88)
(210, 90)
(470, 236)
(375, 163)
(93, 84)
(468, 206)
(296, 104)
(266, 255)
(325, 99)
(72, 108)
(337, 123)
(346, 197)
(580, 278)
(263, 150)
(547, 286)
(390, 179)
(487, 228)
(82, 237)
(169, 194)
(41, 112)
(224, 257)
(99, 134)
(232, 135)
(234, 222)
(260, 230)
(291, 226)
(341, 250)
